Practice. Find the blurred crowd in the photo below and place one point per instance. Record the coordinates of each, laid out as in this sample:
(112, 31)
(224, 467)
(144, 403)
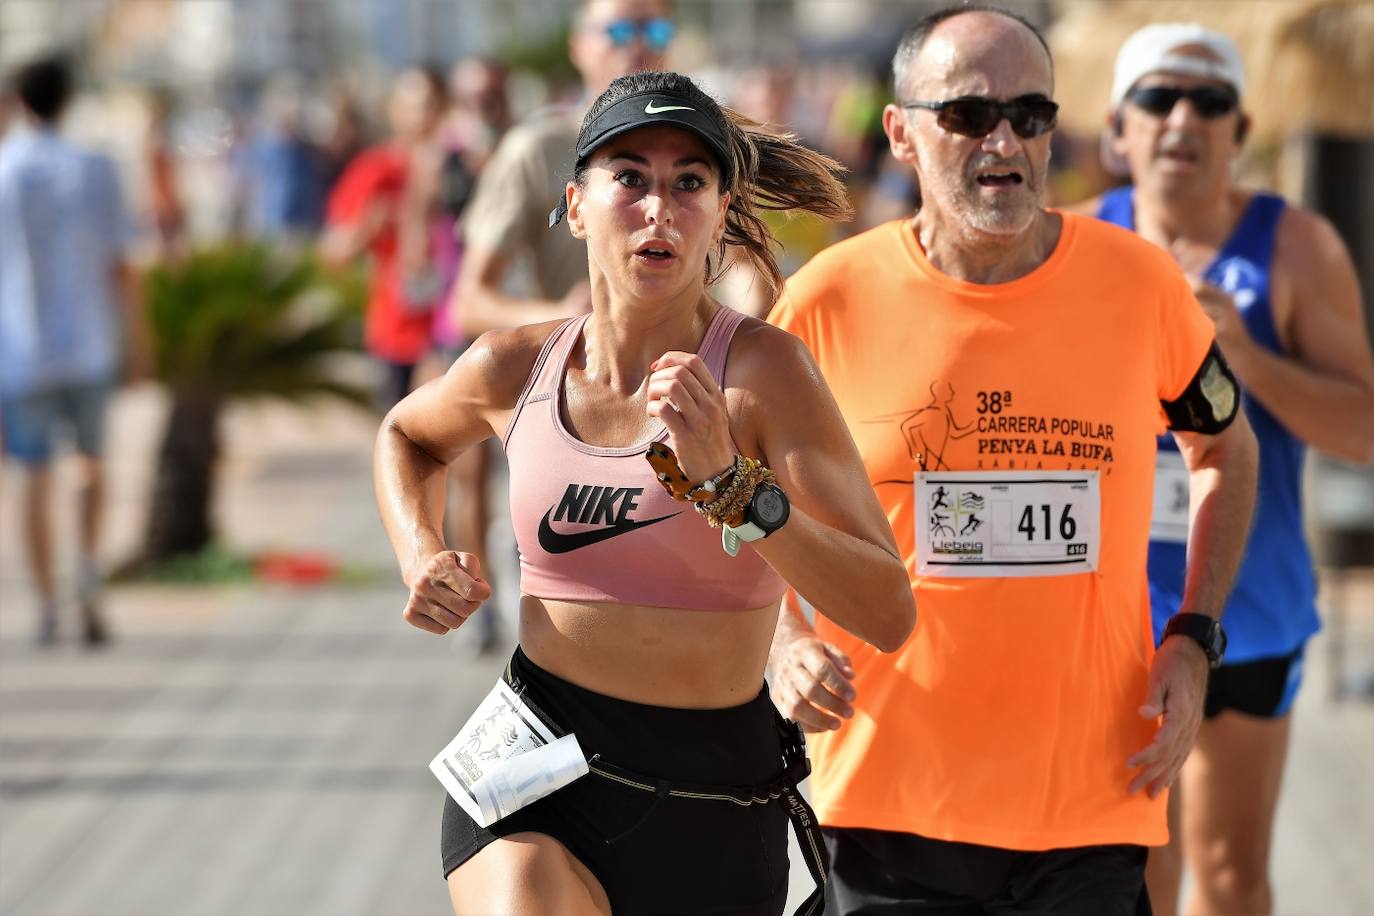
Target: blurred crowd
(436, 186)
(293, 157)
(434, 181)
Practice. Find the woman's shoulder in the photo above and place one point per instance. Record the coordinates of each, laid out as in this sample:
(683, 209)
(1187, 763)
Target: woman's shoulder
(773, 385)
(766, 358)
(498, 364)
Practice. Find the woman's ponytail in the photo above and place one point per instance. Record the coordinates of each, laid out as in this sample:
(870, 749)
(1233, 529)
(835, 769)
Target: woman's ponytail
(775, 172)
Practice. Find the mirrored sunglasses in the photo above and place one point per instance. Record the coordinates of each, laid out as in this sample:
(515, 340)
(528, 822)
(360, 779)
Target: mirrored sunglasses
(656, 33)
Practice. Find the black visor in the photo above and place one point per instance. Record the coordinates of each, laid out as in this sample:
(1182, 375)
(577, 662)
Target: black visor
(642, 110)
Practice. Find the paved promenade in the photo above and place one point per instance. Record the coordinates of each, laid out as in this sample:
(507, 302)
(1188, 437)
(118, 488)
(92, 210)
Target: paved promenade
(250, 749)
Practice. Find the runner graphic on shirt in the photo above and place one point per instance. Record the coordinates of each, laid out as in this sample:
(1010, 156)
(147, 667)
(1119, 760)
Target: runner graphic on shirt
(929, 430)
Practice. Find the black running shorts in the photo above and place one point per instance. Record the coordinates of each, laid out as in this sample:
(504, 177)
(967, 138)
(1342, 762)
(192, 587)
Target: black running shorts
(651, 854)
(876, 872)
(1264, 688)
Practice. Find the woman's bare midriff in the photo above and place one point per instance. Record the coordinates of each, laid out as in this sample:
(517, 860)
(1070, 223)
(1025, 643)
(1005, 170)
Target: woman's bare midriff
(658, 656)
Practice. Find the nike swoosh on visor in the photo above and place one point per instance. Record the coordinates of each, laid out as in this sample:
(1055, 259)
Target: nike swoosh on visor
(650, 109)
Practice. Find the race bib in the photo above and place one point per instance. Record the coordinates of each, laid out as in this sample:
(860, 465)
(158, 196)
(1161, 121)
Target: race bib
(1007, 523)
(504, 758)
(1169, 520)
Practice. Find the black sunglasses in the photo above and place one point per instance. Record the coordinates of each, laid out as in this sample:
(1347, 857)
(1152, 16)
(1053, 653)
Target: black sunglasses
(975, 116)
(1208, 101)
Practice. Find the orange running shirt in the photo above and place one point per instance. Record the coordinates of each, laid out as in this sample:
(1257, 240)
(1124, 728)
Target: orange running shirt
(1007, 717)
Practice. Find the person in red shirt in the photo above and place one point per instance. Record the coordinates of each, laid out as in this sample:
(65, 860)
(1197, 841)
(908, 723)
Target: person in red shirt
(362, 220)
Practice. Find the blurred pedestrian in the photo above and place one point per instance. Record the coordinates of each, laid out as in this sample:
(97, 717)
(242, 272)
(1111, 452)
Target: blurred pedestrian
(480, 111)
(645, 635)
(1280, 287)
(508, 218)
(164, 187)
(341, 135)
(363, 218)
(282, 169)
(6, 110)
(446, 175)
(478, 116)
(1005, 368)
(68, 324)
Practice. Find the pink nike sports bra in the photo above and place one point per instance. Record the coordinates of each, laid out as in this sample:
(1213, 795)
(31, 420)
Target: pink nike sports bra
(594, 524)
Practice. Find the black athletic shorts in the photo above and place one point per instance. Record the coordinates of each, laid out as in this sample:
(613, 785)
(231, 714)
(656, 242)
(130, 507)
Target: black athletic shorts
(655, 854)
(1265, 687)
(875, 872)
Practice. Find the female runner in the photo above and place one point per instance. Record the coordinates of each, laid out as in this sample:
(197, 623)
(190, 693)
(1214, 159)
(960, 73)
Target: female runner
(639, 632)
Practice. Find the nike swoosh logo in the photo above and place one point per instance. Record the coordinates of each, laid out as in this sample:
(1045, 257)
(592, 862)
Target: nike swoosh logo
(650, 109)
(553, 542)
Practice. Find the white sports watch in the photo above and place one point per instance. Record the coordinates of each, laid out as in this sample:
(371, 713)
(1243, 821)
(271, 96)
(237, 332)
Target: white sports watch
(767, 511)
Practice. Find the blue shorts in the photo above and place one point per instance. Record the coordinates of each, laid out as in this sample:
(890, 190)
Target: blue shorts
(31, 423)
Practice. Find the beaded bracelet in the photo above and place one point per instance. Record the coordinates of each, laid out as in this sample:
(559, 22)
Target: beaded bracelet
(745, 476)
(728, 507)
(714, 485)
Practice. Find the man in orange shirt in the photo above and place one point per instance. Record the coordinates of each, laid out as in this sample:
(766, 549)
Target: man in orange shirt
(1004, 370)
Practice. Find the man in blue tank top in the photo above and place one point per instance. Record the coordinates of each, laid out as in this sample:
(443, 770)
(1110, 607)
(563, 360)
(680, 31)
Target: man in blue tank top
(1279, 284)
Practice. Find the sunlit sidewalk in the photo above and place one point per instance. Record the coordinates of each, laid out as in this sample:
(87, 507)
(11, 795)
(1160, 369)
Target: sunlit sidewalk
(251, 749)
(238, 749)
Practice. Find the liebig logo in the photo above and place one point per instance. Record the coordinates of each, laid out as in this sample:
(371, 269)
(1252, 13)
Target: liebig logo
(586, 504)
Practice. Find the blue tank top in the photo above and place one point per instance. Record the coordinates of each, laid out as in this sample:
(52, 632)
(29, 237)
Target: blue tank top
(1272, 610)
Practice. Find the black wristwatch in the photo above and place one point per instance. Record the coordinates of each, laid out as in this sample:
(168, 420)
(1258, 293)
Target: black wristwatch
(1205, 630)
(766, 512)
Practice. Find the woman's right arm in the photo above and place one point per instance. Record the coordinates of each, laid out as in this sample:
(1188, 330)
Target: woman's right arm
(420, 436)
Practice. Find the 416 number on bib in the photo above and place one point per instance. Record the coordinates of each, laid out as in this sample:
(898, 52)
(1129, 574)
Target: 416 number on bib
(1068, 526)
(1007, 523)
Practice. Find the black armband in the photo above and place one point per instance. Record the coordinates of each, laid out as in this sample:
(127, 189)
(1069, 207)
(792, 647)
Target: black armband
(1209, 403)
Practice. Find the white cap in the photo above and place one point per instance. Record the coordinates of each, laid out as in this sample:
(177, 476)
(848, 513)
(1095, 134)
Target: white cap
(1153, 50)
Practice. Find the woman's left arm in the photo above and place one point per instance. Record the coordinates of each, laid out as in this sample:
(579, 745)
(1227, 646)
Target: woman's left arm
(836, 548)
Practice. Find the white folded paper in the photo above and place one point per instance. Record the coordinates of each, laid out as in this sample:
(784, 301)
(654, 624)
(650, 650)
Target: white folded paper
(505, 758)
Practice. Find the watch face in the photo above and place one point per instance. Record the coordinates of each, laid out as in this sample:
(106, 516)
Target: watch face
(769, 506)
